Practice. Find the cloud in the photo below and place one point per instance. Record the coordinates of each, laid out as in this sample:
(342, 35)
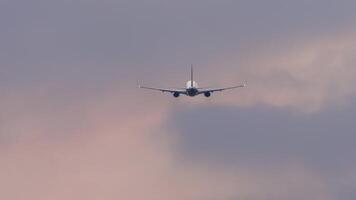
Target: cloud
(113, 143)
(123, 152)
(303, 73)
(260, 135)
(74, 127)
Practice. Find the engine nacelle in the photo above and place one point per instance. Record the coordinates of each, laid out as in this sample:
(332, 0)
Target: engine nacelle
(176, 94)
(207, 94)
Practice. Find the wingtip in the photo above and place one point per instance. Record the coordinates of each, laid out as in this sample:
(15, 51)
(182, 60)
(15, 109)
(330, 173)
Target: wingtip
(138, 84)
(245, 84)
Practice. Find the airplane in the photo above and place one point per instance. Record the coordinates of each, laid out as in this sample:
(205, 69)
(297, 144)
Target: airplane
(192, 88)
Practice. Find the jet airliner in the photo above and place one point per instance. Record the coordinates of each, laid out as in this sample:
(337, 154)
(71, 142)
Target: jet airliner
(192, 88)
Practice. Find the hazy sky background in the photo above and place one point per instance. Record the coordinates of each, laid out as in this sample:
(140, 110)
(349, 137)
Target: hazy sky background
(73, 125)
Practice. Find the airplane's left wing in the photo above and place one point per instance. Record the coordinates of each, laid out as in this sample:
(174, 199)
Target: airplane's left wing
(180, 91)
(201, 91)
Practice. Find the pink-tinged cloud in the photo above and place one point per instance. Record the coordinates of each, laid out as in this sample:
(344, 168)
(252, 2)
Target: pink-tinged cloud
(115, 145)
(304, 73)
(121, 150)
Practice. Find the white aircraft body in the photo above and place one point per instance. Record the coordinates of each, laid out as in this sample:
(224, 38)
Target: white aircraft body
(192, 88)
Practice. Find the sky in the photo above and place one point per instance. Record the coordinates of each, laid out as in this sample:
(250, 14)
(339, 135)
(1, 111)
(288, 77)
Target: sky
(74, 125)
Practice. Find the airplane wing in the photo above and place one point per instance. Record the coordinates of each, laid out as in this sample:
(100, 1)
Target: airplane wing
(180, 91)
(221, 89)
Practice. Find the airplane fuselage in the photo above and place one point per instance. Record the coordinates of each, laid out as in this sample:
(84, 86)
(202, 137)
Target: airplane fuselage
(192, 91)
(192, 88)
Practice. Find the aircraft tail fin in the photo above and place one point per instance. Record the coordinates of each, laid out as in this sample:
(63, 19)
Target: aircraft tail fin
(191, 76)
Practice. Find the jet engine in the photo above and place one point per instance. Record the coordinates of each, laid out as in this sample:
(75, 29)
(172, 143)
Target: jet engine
(176, 94)
(207, 94)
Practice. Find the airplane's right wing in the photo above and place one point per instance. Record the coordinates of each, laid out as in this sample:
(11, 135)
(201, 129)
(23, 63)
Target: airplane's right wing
(201, 91)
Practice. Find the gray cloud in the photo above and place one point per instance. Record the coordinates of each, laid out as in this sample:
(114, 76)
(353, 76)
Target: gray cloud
(71, 118)
(45, 36)
(89, 44)
(262, 137)
(323, 140)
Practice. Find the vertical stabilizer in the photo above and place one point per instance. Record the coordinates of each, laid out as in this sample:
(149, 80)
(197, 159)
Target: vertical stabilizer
(191, 76)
